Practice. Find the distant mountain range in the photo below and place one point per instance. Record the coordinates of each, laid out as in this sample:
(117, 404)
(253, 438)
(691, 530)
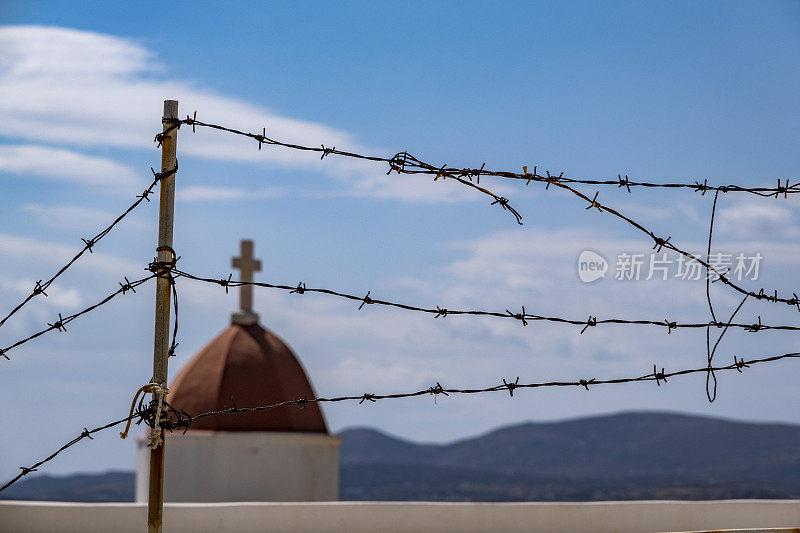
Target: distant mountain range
(623, 456)
(616, 457)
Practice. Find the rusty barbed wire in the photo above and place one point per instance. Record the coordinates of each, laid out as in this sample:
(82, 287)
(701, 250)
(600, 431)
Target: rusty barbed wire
(88, 244)
(61, 323)
(442, 312)
(783, 189)
(506, 386)
(85, 434)
(396, 163)
(405, 163)
(175, 419)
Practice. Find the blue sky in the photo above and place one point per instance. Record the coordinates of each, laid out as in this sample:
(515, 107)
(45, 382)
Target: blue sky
(659, 91)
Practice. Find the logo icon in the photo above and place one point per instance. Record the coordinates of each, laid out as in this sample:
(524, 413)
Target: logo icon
(591, 266)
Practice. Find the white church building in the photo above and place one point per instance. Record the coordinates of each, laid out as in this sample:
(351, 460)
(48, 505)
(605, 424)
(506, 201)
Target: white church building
(283, 454)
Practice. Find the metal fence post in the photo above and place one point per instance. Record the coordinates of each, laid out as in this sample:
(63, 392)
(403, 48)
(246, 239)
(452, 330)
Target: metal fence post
(166, 214)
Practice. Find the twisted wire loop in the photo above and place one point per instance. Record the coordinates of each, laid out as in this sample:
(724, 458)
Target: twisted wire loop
(40, 287)
(61, 323)
(170, 418)
(441, 312)
(405, 163)
(166, 269)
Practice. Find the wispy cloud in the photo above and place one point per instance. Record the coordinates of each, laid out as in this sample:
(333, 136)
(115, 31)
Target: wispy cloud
(75, 217)
(29, 249)
(225, 194)
(57, 296)
(81, 89)
(64, 165)
(765, 220)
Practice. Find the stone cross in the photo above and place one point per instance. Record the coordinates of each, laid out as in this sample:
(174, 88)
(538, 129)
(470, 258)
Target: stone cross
(248, 265)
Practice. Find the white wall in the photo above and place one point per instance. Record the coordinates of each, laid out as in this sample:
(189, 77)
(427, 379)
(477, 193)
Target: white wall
(401, 517)
(209, 466)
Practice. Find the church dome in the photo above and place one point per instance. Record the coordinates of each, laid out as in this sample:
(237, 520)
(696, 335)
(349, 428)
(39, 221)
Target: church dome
(254, 367)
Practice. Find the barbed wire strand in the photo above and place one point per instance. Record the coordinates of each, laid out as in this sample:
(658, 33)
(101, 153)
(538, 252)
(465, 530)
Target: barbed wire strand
(88, 244)
(442, 312)
(183, 420)
(405, 163)
(62, 321)
(781, 189)
(86, 433)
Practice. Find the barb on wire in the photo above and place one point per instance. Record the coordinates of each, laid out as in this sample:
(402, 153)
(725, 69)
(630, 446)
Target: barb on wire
(88, 244)
(440, 312)
(62, 321)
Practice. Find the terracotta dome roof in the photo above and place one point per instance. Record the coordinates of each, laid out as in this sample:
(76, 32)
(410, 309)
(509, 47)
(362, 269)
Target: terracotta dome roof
(255, 367)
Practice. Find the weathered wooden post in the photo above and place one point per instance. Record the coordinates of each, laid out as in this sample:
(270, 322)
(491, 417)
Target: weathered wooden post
(166, 214)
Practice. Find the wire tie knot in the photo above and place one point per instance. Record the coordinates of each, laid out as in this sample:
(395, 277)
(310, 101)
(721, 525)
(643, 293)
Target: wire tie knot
(476, 172)
(670, 325)
(127, 286)
(740, 364)
(502, 201)
(594, 203)
(300, 289)
(659, 376)
(225, 282)
(441, 312)
(527, 176)
(781, 189)
(326, 152)
(701, 187)
(624, 182)
(659, 242)
(58, 324)
(438, 389)
(86, 433)
(398, 163)
(754, 328)
(591, 322)
(585, 384)
(365, 300)
(367, 397)
(511, 385)
(39, 288)
(89, 244)
(303, 401)
(519, 316)
(191, 121)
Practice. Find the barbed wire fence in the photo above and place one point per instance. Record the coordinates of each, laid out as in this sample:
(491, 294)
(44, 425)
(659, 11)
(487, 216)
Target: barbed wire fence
(175, 419)
(166, 417)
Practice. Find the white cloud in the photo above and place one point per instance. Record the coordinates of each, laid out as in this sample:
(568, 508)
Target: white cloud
(57, 296)
(223, 194)
(758, 219)
(64, 165)
(24, 248)
(75, 217)
(79, 88)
